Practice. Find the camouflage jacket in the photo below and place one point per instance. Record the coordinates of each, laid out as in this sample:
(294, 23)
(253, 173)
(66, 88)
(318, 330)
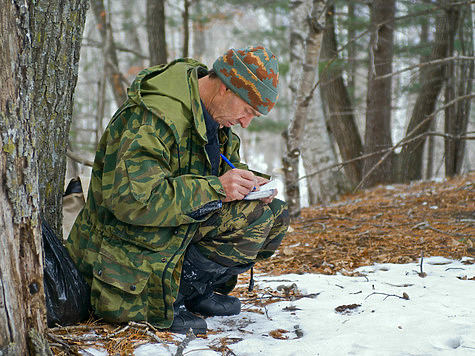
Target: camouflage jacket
(150, 172)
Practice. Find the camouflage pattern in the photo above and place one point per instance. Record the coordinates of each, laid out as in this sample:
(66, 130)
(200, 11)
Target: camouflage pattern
(150, 171)
(253, 74)
(243, 232)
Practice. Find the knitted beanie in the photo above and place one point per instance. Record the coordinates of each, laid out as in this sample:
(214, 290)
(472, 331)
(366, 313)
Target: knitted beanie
(253, 74)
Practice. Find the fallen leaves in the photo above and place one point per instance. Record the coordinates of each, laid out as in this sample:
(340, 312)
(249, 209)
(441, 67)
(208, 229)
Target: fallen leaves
(396, 224)
(391, 224)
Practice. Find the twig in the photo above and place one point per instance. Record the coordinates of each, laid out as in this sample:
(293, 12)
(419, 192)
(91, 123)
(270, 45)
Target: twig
(422, 274)
(296, 297)
(420, 65)
(78, 158)
(404, 295)
(190, 336)
(145, 328)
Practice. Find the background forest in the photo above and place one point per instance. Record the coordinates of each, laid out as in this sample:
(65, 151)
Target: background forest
(371, 92)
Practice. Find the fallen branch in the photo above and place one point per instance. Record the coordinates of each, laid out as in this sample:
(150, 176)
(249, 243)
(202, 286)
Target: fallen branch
(404, 295)
(190, 336)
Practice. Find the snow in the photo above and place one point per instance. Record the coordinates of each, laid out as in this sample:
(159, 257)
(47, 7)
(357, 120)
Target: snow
(438, 318)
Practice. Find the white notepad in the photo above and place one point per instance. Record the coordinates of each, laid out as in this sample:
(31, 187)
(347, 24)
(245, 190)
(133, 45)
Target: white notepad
(265, 191)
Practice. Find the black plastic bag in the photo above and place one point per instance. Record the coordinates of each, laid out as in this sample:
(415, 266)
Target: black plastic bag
(67, 293)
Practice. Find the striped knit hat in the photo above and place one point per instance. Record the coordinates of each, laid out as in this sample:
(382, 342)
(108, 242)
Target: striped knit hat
(253, 74)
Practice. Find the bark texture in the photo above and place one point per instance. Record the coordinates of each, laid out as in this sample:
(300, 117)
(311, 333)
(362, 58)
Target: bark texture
(22, 305)
(30, 140)
(55, 71)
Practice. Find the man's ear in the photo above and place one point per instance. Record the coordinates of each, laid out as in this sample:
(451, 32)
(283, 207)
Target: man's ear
(222, 88)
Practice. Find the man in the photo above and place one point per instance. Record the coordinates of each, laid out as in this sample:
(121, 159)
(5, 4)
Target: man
(165, 230)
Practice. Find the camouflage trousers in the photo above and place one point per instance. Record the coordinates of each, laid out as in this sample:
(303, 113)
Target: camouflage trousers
(243, 232)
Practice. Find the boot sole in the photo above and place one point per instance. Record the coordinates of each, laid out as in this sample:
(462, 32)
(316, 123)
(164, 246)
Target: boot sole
(184, 330)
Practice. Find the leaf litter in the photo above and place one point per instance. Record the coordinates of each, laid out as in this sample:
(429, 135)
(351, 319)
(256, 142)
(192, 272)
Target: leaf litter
(396, 224)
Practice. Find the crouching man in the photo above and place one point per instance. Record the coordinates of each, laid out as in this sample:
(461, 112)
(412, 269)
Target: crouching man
(165, 230)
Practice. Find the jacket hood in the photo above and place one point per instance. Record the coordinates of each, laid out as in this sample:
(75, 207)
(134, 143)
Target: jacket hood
(171, 91)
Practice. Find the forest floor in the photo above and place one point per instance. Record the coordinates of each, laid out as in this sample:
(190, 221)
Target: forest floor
(388, 224)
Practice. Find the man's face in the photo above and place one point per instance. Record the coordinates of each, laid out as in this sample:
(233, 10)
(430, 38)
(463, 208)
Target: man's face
(232, 110)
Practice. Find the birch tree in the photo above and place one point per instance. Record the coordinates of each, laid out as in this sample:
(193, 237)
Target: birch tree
(303, 97)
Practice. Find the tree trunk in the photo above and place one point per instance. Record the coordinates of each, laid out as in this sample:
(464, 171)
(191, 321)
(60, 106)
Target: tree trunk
(431, 85)
(36, 70)
(378, 99)
(304, 94)
(451, 110)
(186, 28)
(56, 70)
(337, 103)
(111, 63)
(199, 38)
(457, 115)
(157, 45)
(424, 42)
(317, 154)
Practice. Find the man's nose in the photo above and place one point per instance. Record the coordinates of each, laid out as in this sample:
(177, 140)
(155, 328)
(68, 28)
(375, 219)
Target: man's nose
(245, 121)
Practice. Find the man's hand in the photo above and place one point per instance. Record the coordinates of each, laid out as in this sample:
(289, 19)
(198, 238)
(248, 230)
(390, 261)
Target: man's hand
(237, 183)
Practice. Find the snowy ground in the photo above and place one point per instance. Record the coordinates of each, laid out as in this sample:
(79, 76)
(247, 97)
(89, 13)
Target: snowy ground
(389, 310)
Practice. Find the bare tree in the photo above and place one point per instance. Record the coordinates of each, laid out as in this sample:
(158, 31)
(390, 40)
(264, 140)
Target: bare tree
(337, 104)
(378, 97)
(114, 75)
(186, 27)
(304, 95)
(157, 45)
(37, 70)
(431, 84)
(459, 79)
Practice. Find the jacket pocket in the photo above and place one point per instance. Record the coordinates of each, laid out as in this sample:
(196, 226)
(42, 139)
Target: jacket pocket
(119, 290)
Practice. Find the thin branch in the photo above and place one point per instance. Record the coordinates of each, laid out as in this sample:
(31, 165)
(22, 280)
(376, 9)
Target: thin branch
(79, 159)
(96, 44)
(390, 149)
(425, 64)
(189, 337)
(404, 141)
(404, 295)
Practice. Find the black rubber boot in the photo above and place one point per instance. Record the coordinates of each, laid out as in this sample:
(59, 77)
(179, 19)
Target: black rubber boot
(199, 277)
(214, 304)
(184, 320)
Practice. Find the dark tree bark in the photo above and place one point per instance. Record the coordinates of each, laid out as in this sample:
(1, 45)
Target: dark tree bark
(111, 63)
(336, 99)
(157, 45)
(411, 159)
(378, 99)
(450, 92)
(456, 119)
(37, 69)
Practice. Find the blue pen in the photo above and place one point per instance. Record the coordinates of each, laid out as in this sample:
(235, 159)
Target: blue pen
(227, 161)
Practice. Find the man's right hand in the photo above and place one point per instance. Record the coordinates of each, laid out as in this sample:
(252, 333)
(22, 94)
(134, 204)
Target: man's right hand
(237, 183)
